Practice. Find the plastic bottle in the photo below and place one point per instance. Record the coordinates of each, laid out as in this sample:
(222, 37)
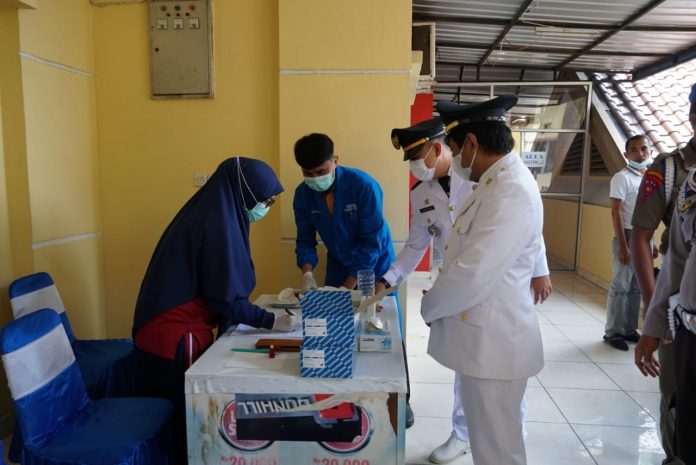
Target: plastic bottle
(366, 283)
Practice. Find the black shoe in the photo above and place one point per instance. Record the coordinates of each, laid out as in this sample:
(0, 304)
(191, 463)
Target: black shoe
(617, 342)
(633, 337)
(410, 418)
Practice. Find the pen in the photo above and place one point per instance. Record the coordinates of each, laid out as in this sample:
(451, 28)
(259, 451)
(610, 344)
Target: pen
(289, 312)
(244, 349)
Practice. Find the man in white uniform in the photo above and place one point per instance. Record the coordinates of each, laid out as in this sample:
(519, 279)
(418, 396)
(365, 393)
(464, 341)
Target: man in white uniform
(483, 324)
(436, 202)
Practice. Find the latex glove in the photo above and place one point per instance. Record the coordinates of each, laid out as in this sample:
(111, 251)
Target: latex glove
(308, 282)
(286, 323)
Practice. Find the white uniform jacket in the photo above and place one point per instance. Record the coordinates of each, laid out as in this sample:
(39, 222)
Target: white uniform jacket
(482, 316)
(433, 214)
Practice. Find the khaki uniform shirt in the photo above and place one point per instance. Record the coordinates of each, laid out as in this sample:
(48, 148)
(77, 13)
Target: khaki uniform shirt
(652, 206)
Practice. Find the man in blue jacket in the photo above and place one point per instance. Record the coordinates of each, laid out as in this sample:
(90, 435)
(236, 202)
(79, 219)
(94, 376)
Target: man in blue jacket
(344, 206)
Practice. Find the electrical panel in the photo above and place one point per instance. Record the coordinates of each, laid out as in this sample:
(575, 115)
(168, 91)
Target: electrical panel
(181, 48)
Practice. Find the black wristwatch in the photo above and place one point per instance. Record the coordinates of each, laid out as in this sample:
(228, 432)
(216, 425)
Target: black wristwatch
(384, 281)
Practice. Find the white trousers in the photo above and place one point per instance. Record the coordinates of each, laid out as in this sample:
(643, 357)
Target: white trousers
(460, 428)
(494, 419)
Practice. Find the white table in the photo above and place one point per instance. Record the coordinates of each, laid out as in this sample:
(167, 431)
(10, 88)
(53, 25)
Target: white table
(222, 382)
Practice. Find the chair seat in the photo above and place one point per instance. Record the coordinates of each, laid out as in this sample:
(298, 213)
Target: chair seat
(108, 432)
(107, 366)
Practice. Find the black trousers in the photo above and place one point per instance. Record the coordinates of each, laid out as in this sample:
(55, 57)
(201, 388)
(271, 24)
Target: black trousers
(685, 364)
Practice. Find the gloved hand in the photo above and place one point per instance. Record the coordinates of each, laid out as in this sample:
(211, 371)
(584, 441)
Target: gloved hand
(286, 323)
(308, 282)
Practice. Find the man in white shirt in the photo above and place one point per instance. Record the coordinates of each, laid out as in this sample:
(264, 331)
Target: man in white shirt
(436, 202)
(623, 301)
(482, 319)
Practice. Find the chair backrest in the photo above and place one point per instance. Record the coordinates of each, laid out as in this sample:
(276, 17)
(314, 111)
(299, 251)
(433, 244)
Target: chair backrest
(36, 291)
(44, 379)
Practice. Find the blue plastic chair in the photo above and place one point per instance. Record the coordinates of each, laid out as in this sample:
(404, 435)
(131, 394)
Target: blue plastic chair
(107, 365)
(59, 422)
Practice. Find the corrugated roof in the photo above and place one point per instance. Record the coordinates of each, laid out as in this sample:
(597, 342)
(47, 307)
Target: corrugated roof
(641, 36)
(657, 105)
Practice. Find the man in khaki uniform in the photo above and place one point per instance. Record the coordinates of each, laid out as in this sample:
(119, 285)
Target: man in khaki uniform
(656, 198)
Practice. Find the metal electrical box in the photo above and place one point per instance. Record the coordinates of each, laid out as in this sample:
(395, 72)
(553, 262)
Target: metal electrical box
(181, 48)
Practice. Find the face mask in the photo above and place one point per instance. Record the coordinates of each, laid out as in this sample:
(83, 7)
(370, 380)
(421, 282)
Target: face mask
(260, 209)
(637, 165)
(464, 173)
(320, 183)
(258, 212)
(420, 170)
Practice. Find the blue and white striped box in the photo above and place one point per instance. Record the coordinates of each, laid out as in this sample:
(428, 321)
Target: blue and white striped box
(327, 362)
(328, 319)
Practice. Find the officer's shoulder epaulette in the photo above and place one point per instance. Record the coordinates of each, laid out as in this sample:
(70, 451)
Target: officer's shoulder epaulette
(416, 185)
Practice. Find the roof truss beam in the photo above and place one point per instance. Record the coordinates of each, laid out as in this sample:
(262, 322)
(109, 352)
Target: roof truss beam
(609, 34)
(556, 24)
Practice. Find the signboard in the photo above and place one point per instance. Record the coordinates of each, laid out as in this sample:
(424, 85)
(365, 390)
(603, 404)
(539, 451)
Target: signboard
(534, 159)
(292, 429)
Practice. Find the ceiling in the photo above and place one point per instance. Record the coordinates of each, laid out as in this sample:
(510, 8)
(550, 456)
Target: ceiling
(538, 40)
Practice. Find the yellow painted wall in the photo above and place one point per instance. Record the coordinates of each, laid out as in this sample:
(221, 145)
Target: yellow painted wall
(595, 246)
(346, 75)
(560, 224)
(595, 240)
(57, 64)
(15, 222)
(150, 149)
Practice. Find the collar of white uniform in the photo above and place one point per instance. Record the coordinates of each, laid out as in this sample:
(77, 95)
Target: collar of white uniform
(500, 165)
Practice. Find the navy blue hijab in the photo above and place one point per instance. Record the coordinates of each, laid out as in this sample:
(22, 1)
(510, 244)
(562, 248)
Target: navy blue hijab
(204, 252)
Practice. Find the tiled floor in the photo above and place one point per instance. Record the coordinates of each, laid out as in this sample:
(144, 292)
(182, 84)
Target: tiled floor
(589, 405)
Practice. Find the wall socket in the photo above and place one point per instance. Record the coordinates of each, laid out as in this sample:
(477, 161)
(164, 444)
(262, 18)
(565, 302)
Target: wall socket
(199, 179)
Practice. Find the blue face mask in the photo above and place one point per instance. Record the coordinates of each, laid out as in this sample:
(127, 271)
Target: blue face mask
(637, 165)
(258, 212)
(320, 183)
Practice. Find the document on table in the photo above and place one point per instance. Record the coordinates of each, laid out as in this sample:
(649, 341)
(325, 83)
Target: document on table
(244, 330)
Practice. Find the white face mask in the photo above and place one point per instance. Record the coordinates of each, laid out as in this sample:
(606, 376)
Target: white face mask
(420, 170)
(464, 173)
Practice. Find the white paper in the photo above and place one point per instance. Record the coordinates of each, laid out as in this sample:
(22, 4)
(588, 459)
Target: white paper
(316, 327)
(244, 330)
(313, 358)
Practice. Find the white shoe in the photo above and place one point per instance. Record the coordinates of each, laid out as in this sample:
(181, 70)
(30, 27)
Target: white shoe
(449, 450)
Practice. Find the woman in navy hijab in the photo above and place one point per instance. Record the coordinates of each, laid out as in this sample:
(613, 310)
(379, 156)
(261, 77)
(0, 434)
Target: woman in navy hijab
(199, 278)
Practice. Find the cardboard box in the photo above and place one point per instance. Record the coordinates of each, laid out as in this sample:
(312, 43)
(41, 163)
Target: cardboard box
(328, 319)
(327, 362)
(374, 340)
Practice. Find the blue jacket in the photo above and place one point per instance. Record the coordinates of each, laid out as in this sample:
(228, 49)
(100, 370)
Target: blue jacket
(357, 236)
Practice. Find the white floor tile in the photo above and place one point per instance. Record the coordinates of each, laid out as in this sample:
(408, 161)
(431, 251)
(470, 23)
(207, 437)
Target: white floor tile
(650, 401)
(596, 407)
(554, 444)
(601, 352)
(551, 333)
(540, 407)
(416, 345)
(563, 351)
(559, 306)
(432, 400)
(611, 445)
(582, 332)
(575, 375)
(572, 318)
(629, 378)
